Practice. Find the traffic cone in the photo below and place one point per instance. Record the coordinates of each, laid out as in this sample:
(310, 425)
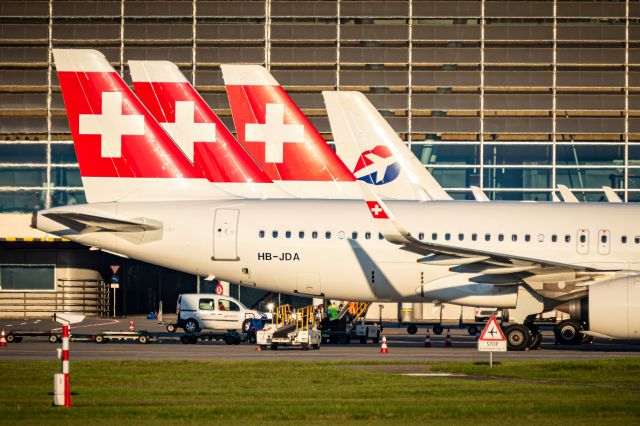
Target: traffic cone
(447, 342)
(3, 340)
(131, 327)
(427, 340)
(383, 348)
(258, 348)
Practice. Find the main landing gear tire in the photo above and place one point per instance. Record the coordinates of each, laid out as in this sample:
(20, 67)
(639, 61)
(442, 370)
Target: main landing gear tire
(438, 329)
(567, 332)
(191, 326)
(536, 337)
(412, 329)
(518, 337)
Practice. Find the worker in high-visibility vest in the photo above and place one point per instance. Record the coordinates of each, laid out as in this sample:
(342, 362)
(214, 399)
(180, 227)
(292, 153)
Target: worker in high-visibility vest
(333, 312)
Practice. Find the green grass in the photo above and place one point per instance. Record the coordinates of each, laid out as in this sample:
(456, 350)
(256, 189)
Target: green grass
(192, 392)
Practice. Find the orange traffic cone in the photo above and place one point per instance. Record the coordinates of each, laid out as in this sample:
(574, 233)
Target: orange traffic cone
(3, 340)
(258, 348)
(447, 342)
(427, 340)
(131, 327)
(383, 348)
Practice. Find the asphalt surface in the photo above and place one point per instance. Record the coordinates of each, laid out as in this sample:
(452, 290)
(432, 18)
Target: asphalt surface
(402, 346)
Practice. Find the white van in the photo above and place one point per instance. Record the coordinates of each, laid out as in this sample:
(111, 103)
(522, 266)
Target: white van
(211, 311)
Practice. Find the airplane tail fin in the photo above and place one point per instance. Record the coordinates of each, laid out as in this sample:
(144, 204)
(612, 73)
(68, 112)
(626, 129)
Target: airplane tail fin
(370, 147)
(192, 124)
(122, 151)
(274, 130)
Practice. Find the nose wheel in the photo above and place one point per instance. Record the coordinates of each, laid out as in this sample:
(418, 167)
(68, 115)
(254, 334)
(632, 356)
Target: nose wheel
(519, 337)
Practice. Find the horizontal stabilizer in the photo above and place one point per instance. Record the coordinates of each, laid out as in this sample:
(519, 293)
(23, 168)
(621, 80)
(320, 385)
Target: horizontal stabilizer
(85, 223)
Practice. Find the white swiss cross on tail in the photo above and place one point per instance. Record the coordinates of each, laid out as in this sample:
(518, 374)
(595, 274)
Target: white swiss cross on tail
(185, 131)
(274, 133)
(376, 210)
(111, 125)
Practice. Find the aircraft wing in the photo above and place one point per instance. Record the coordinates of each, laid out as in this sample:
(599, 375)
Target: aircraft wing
(492, 267)
(85, 223)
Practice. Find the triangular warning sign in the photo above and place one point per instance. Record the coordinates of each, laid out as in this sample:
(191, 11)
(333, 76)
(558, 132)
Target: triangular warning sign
(492, 332)
(114, 268)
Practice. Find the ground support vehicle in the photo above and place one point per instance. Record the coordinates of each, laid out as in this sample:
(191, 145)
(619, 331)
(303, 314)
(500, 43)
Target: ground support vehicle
(16, 336)
(204, 311)
(229, 337)
(297, 328)
(350, 325)
(139, 336)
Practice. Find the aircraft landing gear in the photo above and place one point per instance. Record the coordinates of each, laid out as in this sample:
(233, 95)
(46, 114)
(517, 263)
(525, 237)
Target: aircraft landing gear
(519, 337)
(567, 332)
(536, 337)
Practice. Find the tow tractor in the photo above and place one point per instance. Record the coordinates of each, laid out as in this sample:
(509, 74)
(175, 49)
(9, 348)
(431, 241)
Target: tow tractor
(350, 325)
(290, 328)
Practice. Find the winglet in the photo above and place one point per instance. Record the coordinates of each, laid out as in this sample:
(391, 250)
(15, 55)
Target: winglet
(611, 195)
(479, 194)
(383, 217)
(567, 195)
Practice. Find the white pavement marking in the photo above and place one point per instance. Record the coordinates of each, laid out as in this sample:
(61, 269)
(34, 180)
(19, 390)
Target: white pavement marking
(433, 375)
(23, 323)
(89, 325)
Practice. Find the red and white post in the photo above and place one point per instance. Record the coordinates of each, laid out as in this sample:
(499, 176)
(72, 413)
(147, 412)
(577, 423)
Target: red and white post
(65, 365)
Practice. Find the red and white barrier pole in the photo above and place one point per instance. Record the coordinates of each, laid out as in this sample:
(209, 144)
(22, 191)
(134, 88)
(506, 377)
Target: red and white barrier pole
(65, 365)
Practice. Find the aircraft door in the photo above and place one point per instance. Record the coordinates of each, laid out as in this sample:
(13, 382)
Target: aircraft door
(582, 241)
(604, 241)
(225, 230)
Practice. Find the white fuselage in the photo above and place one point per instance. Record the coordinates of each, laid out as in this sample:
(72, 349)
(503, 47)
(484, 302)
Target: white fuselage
(235, 241)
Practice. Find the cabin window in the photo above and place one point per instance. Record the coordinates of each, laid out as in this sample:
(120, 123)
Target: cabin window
(447, 236)
(261, 234)
(474, 237)
(540, 238)
(460, 237)
(514, 237)
(274, 234)
(367, 235)
(301, 234)
(567, 238)
(583, 239)
(500, 237)
(487, 237)
(380, 236)
(314, 234)
(341, 235)
(554, 238)
(637, 239)
(354, 235)
(527, 237)
(434, 236)
(287, 234)
(603, 238)
(623, 239)
(421, 236)
(327, 235)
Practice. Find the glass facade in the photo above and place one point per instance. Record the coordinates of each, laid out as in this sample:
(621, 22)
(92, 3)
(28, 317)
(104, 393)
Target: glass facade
(511, 96)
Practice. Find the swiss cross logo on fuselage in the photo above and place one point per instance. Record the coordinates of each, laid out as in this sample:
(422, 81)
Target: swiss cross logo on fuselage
(274, 133)
(111, 125)
(185, 131)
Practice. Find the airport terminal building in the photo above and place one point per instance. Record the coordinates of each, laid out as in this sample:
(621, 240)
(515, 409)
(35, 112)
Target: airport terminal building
(514, 97)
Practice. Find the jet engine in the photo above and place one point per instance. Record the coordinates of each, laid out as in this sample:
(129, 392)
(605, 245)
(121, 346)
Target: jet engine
(612, 308)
